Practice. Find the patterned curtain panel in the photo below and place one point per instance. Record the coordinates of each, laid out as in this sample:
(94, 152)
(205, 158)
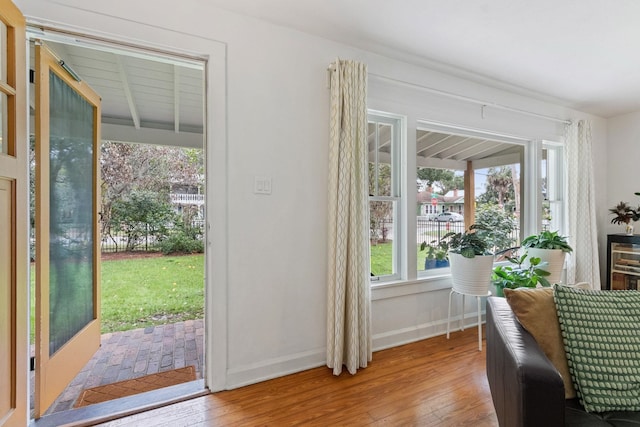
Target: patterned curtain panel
(583, 264)
(349, 302)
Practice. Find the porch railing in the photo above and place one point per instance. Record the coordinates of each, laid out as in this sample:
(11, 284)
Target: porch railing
(187, 199)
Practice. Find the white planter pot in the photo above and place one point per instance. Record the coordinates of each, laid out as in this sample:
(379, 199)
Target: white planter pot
(554, 259)
(471, 276)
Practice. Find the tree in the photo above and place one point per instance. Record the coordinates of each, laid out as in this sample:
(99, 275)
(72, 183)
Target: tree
(141, 215)
(445, 179)
(499, 189)
(127, 168)
(379, 211)
(498, 224)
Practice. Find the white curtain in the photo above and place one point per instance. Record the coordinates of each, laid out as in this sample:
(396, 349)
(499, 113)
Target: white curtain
(349, 299)
(583, 264)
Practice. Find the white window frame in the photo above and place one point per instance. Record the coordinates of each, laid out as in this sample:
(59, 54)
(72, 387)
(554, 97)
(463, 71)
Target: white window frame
(404, 179)
(530, 171)
(398, 188)
(556, 186)
(556, 182)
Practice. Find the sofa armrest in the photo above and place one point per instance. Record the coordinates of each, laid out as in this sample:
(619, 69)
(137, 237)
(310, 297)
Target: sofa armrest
(526, 388)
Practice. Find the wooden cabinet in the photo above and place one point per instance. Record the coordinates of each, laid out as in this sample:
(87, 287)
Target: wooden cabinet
(623, 261)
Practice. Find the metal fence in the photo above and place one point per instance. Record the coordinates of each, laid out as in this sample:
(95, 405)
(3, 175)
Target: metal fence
(435, 230)
(427, 230)
(147, 241)
(118, 241)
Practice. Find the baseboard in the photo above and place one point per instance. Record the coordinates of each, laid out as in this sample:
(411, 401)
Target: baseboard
(275, 367)
(420, 332)
(290, 364)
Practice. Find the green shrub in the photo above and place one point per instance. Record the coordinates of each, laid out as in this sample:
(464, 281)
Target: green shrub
(498, 225)
(141, 215)
(181, 242)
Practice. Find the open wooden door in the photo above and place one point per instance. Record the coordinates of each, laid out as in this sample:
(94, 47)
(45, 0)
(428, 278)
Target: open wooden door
(14, 214)
(67, 235)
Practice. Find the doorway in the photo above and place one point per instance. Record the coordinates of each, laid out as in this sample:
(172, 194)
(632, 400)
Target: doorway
(150, 99)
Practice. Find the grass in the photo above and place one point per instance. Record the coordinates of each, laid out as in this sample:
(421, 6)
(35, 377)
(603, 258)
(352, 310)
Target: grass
(381, 260)
(141, 292)
(150, 291)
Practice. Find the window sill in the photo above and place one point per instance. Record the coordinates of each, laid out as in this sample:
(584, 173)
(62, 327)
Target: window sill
(398, 288)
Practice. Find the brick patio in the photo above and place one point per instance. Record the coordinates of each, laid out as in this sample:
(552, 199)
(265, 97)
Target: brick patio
(138, 352)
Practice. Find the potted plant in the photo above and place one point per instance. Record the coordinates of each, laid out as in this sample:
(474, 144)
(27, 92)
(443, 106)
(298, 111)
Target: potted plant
(522, 273)
(430, 258)
(624, 214)
(442, 258)
(436, 256)
(551, 248)
(470, 259)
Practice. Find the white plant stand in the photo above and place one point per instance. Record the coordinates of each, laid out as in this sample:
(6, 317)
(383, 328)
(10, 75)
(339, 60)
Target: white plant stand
(470, 276)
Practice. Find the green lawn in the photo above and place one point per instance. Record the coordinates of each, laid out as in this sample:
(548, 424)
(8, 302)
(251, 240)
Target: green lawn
(381, 262)
(141, 292)
(151, 291)
(381, 259)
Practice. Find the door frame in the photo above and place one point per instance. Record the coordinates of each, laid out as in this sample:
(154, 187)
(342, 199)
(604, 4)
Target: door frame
(14, 169)
(216, 170)
(216, 175)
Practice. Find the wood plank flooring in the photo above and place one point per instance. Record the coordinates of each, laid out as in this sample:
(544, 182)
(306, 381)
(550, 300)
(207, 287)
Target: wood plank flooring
(434, 382)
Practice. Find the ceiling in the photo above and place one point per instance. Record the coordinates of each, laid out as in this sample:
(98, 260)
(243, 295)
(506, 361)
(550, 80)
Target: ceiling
(437, 150)
(445, 150)
(579, 53)
(145, 98)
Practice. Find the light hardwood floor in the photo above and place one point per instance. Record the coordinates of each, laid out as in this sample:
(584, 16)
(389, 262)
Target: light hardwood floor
(434, 382)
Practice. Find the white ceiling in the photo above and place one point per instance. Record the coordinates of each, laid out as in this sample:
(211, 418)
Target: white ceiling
(580, 53)
(145, 98)
(445, 150)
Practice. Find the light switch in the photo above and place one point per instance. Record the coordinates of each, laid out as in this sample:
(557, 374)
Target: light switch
(262, 185)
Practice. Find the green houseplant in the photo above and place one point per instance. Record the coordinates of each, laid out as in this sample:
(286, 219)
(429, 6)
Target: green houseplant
(469, 244)
(436, 255)
(471, 261)
(430, 258)
(521, 273)
(547, 240)
(551, 248)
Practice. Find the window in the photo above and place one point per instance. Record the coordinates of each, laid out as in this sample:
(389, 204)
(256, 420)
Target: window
(552, 187)
(512, 185)
(466, 177)
(384, 140)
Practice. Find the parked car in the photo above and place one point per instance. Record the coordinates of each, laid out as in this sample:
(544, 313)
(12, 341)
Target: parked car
(449, 217)
(428, 217)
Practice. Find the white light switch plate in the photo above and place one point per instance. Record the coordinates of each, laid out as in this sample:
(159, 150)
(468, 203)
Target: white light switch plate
(262, 185)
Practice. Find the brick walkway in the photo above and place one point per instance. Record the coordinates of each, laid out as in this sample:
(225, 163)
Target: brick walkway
(138, 352)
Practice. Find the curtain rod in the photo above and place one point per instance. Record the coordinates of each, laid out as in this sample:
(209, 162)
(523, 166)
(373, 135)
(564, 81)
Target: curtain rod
(469, 99)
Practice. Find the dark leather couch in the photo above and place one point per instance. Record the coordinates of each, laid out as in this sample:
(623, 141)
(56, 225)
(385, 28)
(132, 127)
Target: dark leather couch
(526, 388)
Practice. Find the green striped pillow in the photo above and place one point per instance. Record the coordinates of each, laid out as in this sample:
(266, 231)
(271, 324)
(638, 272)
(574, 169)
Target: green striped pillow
(601, 334)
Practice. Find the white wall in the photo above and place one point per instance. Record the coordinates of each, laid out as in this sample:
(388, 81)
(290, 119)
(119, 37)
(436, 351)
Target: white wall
(622, 163)
(267, 272)
(623, 152)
